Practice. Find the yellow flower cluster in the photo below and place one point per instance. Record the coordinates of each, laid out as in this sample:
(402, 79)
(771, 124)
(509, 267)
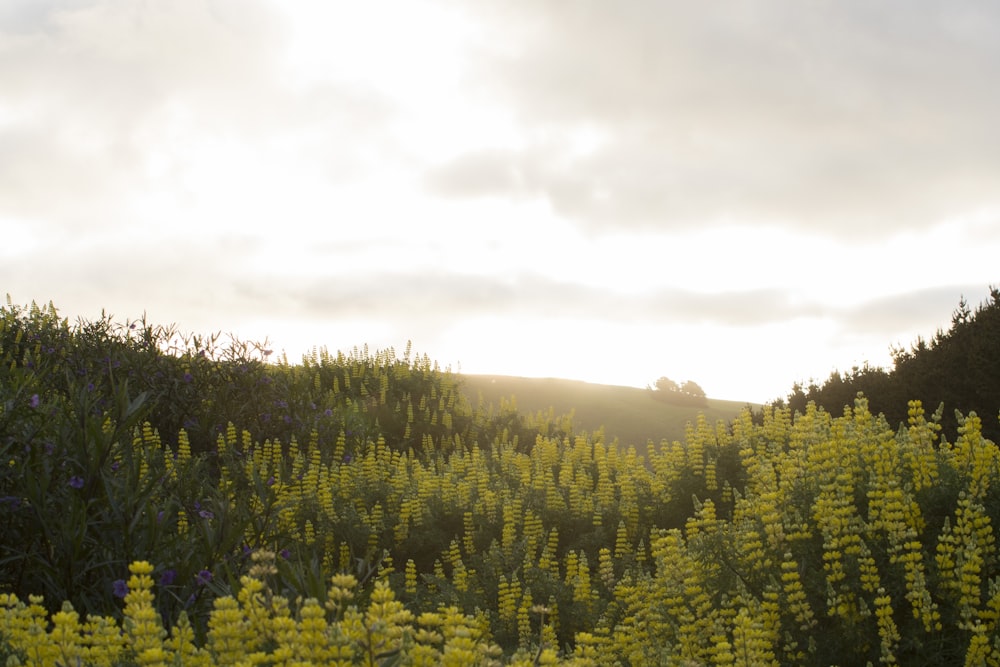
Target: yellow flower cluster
(839, 524)
(256, 628)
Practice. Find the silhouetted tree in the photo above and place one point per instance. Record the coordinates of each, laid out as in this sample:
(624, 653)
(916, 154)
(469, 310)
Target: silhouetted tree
(687, 394)
(666, 384)
(959, 368)
(692, 389)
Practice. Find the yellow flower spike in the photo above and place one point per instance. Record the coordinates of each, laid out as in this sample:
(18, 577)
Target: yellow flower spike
(183, 448)
(104, 641)
(227, 631)
(887, 629)
(251, 599)
(979, 651)
(313, 644)
(587, 652)
(342, 586)
(410, 577)
(153, 657)
(143, 628)
(181, 644)
(141, 567)
(65, 635)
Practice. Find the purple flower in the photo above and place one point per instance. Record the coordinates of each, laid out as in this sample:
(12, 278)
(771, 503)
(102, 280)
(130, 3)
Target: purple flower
(159, 516)
(90, 386)
(76, 482)
(270, 480)
(114, 466)
(328, 412)
(203, 577)
(206, 514)
(34, 401)
(13, 501)
(188, 377)
(285, 553)
(119, 588)
(167, 577)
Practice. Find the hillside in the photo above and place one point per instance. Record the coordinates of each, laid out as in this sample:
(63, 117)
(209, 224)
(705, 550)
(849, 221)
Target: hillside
(205, 507)
(627, 413)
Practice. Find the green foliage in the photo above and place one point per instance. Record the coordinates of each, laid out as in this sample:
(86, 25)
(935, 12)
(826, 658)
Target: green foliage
(772, 539)
(959, 368)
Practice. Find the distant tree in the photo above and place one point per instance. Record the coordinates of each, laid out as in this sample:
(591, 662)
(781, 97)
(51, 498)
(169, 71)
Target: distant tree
(666, 384)
(691, 388)
(959, 368)
(687, 393)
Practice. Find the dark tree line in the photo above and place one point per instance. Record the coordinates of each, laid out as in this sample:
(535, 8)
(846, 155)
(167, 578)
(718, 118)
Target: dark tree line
(959, 368)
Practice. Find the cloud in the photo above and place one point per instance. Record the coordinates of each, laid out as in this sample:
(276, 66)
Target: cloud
(108, 100)
(849, 118)
(918, 313)
(444, 298)
(856, 118)
(449, 296)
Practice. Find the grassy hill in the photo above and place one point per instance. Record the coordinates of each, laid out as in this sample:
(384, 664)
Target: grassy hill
(627, 413)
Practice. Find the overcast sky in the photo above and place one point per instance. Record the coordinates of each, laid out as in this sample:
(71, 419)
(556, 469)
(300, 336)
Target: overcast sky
(744, 194)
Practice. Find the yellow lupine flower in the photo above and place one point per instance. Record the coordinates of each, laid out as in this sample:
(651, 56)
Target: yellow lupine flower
(65, 635)
(104, 641)
(410, 577)
(313, 644)
(227, 631)
(143, 628)
(979, 651)
(182, 644)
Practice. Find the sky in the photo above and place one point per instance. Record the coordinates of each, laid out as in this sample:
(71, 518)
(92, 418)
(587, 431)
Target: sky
(744, 195)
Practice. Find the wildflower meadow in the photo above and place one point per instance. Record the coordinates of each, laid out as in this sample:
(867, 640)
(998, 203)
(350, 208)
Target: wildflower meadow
(170, 499)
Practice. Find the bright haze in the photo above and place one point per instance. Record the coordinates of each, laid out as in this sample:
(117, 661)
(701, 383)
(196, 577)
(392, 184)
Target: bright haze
(744, 195)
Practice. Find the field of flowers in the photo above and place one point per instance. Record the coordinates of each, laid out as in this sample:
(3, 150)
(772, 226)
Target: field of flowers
(169, 500)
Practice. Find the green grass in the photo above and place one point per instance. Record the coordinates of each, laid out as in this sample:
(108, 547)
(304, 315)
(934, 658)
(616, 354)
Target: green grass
(627, 413)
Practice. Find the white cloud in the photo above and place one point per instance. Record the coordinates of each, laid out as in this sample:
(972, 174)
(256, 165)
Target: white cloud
(848, 117)
(511, 184)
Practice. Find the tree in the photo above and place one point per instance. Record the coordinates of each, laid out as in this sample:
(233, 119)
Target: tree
(959, 367)
(691, 388)
(666, 384)
(687, 394)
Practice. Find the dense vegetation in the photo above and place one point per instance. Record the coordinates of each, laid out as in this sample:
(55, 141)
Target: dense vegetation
(959, 368)
(179, 502)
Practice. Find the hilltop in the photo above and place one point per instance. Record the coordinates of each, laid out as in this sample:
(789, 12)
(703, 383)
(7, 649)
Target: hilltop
(627, 413)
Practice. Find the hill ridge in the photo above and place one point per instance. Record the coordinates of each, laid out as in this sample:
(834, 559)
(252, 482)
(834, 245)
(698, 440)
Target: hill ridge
(627, 413)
